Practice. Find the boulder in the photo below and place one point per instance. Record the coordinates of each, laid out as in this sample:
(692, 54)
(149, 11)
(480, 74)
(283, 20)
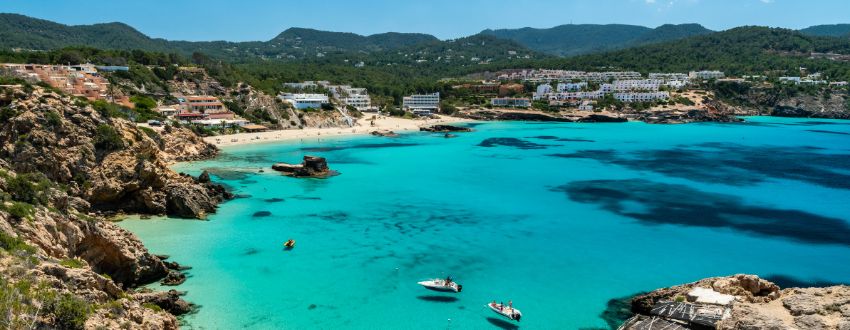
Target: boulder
(173, 278)
(444, 129)
(311, 167)
(601, 119)
(169, 300)
(384, 133)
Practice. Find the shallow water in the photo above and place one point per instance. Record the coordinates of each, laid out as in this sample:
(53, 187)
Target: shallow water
(560, 218)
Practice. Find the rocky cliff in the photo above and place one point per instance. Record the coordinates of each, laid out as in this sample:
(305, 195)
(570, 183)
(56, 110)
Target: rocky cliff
(754, 303)
(106, 162)
(64, 163)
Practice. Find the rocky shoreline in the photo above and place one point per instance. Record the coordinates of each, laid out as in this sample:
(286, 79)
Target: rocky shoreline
(65, 165)
(740, 302)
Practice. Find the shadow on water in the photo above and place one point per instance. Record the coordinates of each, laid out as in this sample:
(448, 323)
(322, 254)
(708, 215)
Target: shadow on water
(733, 164)
(785, 281)
(273, 200)
(826, 132)
(672, 204)
(618, 310)
(511, 142)
(440, 299)
(502, 323)
(261, 214)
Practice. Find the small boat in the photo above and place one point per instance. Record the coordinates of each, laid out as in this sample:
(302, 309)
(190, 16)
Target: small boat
(442, 285)
(289, 244)
(506, 311)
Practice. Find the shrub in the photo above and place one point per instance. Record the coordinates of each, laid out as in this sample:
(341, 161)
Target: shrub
(12, 243)
(28, 187)
(69, 312)
(21, 210)
(71, 263)
(53, 119)
(107, 109)
(152, 306)
(108, 139)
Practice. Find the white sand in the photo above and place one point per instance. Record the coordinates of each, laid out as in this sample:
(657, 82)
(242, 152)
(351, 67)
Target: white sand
(363, 126)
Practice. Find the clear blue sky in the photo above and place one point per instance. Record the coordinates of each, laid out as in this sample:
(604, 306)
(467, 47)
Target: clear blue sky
(241, 20)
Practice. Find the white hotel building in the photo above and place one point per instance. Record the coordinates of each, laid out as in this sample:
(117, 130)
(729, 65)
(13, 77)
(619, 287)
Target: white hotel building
(422, 104)
(355, 97)
(304, 101)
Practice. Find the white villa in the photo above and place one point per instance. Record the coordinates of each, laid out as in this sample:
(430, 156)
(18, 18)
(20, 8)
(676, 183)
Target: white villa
(305, 101)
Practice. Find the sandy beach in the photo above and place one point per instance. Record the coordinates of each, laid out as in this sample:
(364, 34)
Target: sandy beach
(363, 126)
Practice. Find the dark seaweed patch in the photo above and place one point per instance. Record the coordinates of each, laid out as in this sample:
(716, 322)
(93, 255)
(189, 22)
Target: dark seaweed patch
(733, 164)
(305, 198)
(618, 310)
(331, 216)
(442, 299)
(241, 196)
(311, 307)
(250, 251)
(248, 181)
(673, 204)
(826, 132)
(544, 137)
(273, 200)
(261, 214)
(227, 174)
(785, 281)
(574, 140)
(511, 142)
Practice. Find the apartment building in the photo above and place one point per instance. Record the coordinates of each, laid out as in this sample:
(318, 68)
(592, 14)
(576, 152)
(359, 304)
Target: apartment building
(422, 104)
(706, 75)
(510, 102)
(356, 97)
(305, 101)
(641, 97)
(571, 87)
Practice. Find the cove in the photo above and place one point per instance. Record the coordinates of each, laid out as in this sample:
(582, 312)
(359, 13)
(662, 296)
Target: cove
(513, 211)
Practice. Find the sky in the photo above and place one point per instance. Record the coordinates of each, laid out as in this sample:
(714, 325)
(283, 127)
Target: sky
(246, 20)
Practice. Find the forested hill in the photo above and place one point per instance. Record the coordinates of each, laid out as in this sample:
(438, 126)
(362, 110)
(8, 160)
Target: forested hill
(739, 51)
(18, 31)
(829, 30)
(568, 40)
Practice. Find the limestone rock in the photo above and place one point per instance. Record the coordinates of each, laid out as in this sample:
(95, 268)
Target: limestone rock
(311, 167)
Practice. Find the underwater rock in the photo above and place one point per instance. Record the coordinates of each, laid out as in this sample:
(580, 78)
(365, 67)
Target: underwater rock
(173, 278)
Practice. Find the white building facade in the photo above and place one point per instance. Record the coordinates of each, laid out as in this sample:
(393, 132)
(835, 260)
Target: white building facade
(422, 104)
(305, 101)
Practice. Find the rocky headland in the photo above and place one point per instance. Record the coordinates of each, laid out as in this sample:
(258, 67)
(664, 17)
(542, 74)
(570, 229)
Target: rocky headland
(743, 302)
(444, 129)
(65, 164)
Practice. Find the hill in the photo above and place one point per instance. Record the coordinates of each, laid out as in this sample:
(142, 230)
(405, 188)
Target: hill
(744, 50)
(569, 40)
(19, 31)
(830, 30)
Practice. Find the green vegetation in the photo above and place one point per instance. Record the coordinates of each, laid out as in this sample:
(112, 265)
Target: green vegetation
(11, 244)
(571, 40)
(72, 263)
(69, 312)
(108, 139)
(739, 51)
(53, 118)
(144, 109)
(109, 110)
(30, 188)
(152, 306)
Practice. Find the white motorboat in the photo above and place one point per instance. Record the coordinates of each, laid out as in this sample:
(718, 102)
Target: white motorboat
(506, 311)
(442, 284)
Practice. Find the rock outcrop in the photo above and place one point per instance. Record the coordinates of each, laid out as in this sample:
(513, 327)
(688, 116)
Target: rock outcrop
(444, 129)
(311, 167)
(384, 133)
(602, 119)
(757, 304)
(108, 162)
(63, 164)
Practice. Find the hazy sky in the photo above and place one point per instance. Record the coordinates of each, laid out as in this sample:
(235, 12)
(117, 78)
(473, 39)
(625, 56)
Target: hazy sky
(242, 20)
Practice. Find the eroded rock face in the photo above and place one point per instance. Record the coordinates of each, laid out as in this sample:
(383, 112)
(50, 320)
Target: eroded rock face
(761, 304)
(108, 162)
(169, 300)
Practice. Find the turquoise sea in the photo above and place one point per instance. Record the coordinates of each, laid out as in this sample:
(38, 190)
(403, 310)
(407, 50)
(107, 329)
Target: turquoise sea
(560, 218)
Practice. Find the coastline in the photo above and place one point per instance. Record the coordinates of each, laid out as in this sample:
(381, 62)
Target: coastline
(363, 126)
